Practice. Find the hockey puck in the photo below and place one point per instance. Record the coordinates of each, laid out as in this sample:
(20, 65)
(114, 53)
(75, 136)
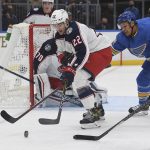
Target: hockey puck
(26, 134)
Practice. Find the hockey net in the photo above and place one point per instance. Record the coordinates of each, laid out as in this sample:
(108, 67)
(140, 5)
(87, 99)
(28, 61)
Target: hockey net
(25, 41)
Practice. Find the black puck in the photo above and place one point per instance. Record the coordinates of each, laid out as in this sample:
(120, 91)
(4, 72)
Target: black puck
(26, 134)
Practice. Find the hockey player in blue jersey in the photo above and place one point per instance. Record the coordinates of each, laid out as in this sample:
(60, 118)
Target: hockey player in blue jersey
(135, 36)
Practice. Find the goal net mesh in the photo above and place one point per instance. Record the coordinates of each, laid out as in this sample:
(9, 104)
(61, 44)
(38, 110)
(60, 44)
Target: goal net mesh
(25, 41)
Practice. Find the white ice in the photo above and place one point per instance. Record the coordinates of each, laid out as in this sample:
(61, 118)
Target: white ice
(133, 134)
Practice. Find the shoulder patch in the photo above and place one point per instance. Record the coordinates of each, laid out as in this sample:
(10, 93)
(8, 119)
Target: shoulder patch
(69, 30)
(48, 47)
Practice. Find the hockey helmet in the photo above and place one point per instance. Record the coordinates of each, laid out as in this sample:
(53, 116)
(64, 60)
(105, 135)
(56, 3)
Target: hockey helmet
(50, 1)
(59, 16)
(126, 16)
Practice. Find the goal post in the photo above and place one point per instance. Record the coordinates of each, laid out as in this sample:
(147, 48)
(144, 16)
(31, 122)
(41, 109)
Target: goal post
(25, 41)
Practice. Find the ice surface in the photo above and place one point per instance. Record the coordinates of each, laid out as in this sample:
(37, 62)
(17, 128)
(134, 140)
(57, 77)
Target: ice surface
(134, 134)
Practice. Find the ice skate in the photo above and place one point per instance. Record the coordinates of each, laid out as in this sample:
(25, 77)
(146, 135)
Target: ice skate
(92, 118)
(144, 111)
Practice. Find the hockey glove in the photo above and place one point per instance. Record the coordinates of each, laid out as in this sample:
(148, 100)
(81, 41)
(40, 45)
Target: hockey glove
(65, 58)
(68, 75)
(61, 68)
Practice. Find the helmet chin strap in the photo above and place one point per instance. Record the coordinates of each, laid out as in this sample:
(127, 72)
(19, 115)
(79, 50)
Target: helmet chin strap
(66, 24)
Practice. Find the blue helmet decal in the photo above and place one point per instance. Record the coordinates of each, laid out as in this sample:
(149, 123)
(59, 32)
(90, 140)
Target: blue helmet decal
(126, 16)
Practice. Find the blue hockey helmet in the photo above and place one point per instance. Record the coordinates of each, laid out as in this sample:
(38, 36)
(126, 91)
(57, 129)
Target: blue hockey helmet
(126, 16)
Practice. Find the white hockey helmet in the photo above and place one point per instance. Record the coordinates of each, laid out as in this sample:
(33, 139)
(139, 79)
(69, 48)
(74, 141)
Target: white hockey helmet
(59, 16)
(50, 1)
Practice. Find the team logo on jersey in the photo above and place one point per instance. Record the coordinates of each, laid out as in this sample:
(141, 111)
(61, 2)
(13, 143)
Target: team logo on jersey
(138, 51)
(48, 47)
(54, 16)
(69, 30)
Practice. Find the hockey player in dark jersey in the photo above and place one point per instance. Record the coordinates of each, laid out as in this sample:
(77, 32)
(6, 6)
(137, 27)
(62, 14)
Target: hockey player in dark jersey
(135, 36)
(45, 61)
(89, 55)
(47, 72)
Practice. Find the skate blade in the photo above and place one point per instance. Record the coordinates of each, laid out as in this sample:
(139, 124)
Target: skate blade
(96, 124)
(142, 113)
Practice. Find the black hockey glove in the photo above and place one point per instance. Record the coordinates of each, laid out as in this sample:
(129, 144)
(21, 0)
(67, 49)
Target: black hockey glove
(68, 74)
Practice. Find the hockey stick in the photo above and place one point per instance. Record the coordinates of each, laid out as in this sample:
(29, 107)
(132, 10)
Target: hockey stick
(11, 119)
(73, 100)
(46, 121)
(16, 74)
(95, 138)
(78, 103)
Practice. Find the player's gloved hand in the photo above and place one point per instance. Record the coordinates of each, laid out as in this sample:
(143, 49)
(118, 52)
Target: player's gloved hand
(65, 58)
(61, 68)
(68, 75)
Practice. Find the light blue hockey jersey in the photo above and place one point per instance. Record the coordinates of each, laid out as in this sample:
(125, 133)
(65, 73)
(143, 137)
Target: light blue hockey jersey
(139, 45)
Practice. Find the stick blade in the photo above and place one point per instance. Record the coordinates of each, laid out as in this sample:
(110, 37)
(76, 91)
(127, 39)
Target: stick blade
(86, 137)
(7, 117)
(46, 121)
